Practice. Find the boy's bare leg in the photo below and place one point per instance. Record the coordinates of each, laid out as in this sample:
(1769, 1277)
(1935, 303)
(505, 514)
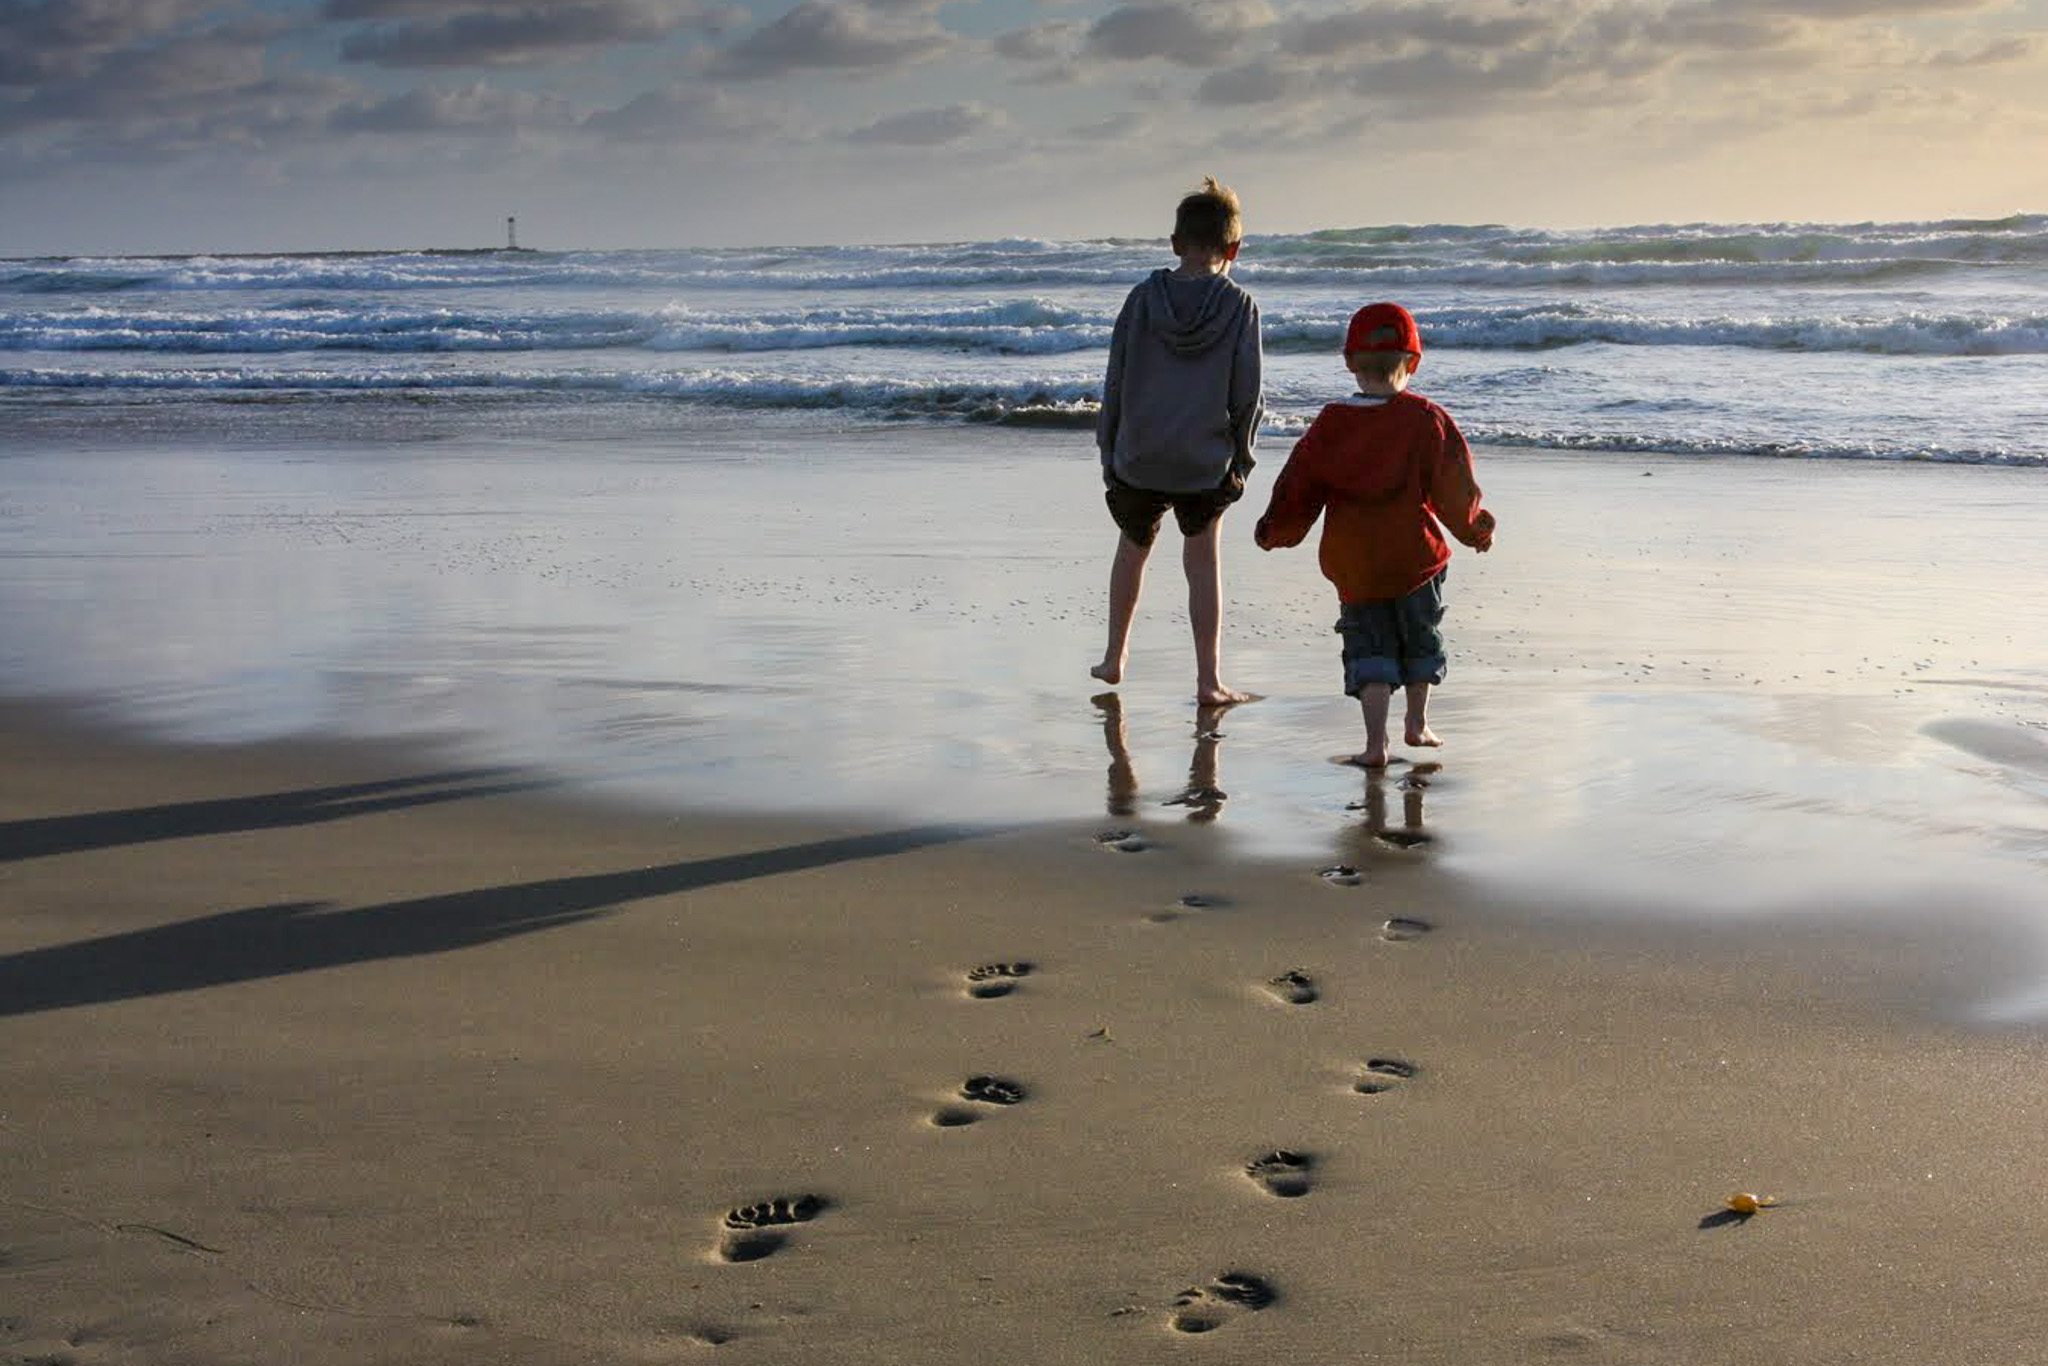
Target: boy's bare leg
(1372, 701)
(1126, 578)
(1418, 729)
(1204, 566)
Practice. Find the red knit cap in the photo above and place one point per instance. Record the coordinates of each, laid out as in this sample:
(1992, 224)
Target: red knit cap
(1373, 317)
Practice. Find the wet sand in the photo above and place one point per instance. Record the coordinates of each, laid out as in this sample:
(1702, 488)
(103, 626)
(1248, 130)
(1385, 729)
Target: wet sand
(330, 1054)
(510, 899)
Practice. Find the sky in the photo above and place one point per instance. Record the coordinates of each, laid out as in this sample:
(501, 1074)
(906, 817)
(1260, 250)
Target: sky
(258, 125)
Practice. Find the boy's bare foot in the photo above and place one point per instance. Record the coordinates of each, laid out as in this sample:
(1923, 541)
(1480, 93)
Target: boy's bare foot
(1370, 758)
(1220, 696)
(1423, 736)
(1109, 671)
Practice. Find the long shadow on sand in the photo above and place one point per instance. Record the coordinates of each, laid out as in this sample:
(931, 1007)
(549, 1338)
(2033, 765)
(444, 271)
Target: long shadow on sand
(272, 941)
(46, 835)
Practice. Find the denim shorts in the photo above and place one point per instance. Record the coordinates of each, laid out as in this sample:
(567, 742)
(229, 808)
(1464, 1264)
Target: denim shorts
(1395, 640)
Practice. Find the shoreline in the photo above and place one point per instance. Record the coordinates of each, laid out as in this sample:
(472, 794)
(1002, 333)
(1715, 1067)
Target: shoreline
(1036, 409)
(336, 1060)
(1659, 698)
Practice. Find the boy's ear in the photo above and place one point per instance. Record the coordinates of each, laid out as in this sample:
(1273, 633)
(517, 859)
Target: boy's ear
(1174, 242)
(1230, 252)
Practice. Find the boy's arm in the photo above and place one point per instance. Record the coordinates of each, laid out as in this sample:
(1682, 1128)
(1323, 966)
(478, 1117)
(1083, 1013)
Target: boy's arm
(1113, 388)
(1247, 392)
(1298, 495)
(1454, 490)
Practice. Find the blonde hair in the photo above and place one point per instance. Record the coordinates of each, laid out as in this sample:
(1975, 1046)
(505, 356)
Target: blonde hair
(1210, 217)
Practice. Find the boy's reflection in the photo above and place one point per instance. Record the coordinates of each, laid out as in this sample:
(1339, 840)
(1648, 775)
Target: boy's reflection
(1203, 797)
(1412, 784)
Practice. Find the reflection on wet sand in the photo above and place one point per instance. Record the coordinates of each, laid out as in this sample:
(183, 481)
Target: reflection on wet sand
(1412, 783)
(1203, 796)
(1123, 779)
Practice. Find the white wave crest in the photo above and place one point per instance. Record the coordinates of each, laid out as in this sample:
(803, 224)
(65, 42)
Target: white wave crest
(1019, 327)
(1015, 327)
(1529, 328)
(1051, 401)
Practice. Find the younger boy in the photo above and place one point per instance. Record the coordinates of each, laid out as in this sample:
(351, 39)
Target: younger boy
(1384, 466)
(1180, 411)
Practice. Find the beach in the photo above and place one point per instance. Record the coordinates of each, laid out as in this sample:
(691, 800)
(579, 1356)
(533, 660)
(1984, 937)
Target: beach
(552, 810)
(321, 1055)
(495, 898)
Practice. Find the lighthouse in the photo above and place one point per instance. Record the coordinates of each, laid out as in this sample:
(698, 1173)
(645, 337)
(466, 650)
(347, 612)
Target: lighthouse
(511, 233)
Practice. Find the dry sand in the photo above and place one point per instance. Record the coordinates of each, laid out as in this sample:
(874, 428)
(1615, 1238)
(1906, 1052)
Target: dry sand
(324, 1056)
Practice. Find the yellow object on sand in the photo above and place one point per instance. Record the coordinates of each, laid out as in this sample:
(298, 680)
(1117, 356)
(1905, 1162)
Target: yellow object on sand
(1742, 1202)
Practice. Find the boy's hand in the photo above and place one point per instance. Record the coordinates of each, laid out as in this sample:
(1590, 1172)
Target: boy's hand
(1482, 531)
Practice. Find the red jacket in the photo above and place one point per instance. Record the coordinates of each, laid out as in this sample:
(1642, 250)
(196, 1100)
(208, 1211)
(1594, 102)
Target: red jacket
(1382, 474)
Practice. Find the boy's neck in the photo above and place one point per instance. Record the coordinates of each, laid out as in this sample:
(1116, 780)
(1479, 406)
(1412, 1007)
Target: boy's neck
(1382, 388)
(1197, 264)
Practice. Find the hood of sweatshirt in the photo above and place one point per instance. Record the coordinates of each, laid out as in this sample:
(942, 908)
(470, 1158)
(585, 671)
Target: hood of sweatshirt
(1190, 316)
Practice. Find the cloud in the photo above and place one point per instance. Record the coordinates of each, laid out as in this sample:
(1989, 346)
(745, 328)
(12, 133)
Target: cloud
(475, 108)
(441, 33)
(1855, 9)
(1435, 80)
(1718, 27)
(1385, 27)
(1055, 40)
(202, 73)
(1428, 61)
(346, 10)
(2015, 49)
(44, 40)
(676, 114)
(1203, 33)
(208, 92)
(930, 127)
(1258, 82)
(845, 37)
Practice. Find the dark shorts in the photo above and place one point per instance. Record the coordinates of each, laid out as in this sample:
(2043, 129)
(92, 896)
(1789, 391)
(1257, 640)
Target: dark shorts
(1138, 511)
(1395, 640)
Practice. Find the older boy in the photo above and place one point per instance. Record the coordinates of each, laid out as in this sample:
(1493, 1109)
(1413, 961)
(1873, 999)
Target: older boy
(1384, 467)
(1180, 411)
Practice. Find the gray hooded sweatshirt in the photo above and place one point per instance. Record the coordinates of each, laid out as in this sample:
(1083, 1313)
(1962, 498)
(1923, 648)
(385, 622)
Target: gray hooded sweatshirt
(1180, 404)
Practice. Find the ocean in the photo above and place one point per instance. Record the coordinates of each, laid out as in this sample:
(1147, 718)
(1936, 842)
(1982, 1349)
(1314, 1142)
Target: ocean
(1895, 341)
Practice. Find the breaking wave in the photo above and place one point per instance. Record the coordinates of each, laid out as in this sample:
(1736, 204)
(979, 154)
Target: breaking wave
(1047, 402)
(1033, 326)
(1039, 402)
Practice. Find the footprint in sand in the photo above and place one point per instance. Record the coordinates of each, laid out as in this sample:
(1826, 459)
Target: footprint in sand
(1382, 1074)
(1194, 901)
(992, 1090)
(1403, 839)
(1205, 1308)
(1282, 1172)
(991, 980)
(983, 1090)
(754, 1231)
(1401, 929)
(1293, 986)
(1123, 841)
(1339, 874)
